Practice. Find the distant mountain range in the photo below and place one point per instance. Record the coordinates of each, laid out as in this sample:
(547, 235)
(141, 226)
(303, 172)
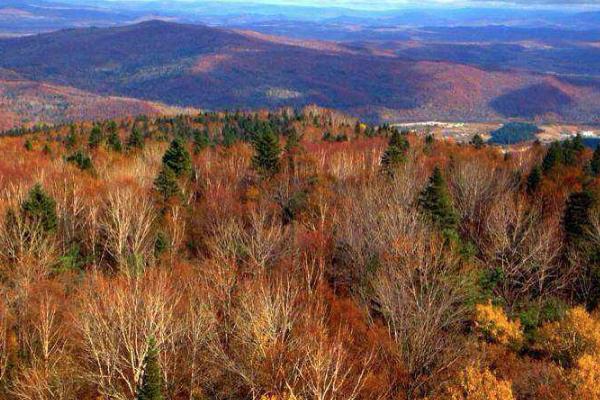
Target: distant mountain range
(34, 16)
(213, 68)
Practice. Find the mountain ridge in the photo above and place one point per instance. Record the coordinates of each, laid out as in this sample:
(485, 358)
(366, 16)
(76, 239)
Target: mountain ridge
(198, 66)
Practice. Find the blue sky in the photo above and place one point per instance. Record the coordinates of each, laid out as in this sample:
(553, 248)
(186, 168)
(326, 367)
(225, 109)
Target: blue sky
(394, 4)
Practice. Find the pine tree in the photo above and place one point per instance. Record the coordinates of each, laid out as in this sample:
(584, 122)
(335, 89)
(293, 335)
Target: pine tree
(95, 138)
(81, 160)
(576, 219)
(230, 135)
(291, 149)
(534, 180)
(152, 380)
(166, 183)
(40, 208)
(395, 154)
(595, 162)
(28, 145)
(477, 141)
(71, 139)
(554, 156)
(435, 201)
(201, 141)
(177, 158)
(114, 142)
(266, 153)
(136, 139)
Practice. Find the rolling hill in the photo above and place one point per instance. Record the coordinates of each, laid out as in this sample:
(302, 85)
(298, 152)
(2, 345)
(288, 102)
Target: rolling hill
(26, 103)
(200, 66)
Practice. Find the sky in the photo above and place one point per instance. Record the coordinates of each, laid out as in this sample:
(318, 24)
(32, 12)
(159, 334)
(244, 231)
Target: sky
(395, 4)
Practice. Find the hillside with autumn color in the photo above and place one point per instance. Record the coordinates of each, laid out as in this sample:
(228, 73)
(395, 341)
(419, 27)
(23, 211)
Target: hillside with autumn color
(215, 68)
(295, 255)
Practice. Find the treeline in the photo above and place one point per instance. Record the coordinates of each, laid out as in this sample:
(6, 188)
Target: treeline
(294, 255)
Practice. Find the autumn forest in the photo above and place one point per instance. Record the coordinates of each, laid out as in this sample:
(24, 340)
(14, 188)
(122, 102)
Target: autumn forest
(294, 255)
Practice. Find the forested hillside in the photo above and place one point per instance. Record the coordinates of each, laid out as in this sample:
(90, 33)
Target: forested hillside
(294, 255)
(215, 69)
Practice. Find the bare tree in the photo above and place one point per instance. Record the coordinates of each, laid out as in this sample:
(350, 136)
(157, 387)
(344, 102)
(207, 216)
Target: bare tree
(116, 319)
(47, 375)
(421, 292)
(127, 224)
(520, 244)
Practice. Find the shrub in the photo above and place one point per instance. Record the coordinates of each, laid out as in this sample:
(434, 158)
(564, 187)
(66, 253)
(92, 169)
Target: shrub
(493, 323)
(569, 339)
(586, 378)
(479, 384)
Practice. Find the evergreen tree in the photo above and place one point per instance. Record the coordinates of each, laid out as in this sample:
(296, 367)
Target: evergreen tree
(534, 180)
(95, 138)
(395, 154)
(177, 158)
(136, 139)
(357, 128)
(81, 160)
(201, 140)
(266, 153)
(152, 381)
(477, 141)
(595, 162)
(292, 146)
(114, 142)
(40, 208)
(572, 150)
(230, 135)
(71, 139)
(435, 201)
(554, 156)
(576, 219)
(166, 183)
(28, 145)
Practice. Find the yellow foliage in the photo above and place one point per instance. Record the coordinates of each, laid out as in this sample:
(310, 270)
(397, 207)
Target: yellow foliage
(586, 378)
(477, 384)
(495, 325)
(569, 339)
(278, 397)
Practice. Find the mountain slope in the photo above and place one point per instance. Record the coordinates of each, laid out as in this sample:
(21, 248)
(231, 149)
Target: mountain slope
(24, 102)
(190, 65)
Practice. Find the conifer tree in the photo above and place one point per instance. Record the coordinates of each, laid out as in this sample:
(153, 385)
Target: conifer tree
(95, 138)
(435, 201)
(554, 156)
(40, 208)
(576, 219)
(177, 158)
(534, 180)
(292, 146)
(114, 142)
(477, 141)
(28, 145)
(201, 141)
(595, 162)
(166, 183)
(395, 154)
(71, 139)
(136, 139)
(81, 160)
(266, 153)
(152, 381)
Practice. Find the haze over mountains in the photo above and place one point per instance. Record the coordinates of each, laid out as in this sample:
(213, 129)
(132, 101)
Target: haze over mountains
(473, 64)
